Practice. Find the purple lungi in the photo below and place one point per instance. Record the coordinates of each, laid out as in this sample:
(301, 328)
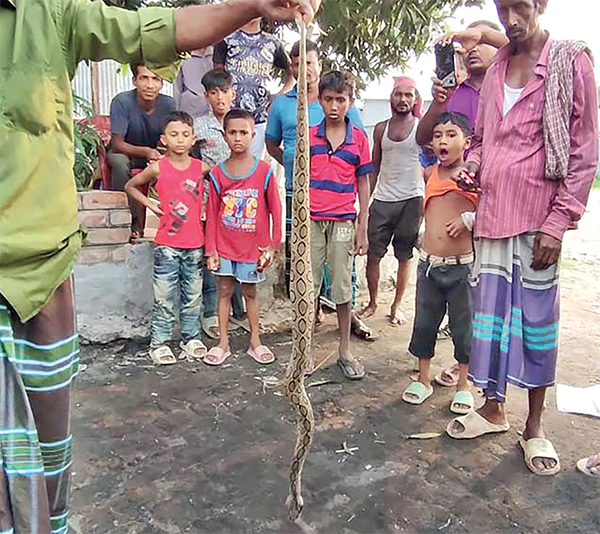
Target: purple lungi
(516, 319)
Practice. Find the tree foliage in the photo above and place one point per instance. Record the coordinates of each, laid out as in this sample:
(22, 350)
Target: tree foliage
(367, 37)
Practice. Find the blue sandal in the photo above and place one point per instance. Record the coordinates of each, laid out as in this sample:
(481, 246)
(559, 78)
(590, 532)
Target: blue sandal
(418, 390)
(462, 397)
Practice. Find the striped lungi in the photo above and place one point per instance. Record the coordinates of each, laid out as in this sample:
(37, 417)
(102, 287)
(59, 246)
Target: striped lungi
(516, 319)
(38, 361)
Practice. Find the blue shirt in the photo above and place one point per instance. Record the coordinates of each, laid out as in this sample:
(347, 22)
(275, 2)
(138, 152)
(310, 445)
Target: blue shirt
(281, 126)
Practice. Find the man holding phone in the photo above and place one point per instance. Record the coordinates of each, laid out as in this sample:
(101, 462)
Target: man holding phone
(534, 157)
(480, 42)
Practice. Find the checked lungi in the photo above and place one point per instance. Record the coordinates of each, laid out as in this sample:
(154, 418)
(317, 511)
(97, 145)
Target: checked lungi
(516, 317)
(38, 361)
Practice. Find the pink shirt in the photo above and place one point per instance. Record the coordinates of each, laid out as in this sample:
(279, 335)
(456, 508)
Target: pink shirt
(517, 198)
(242, 213)
(180, 193)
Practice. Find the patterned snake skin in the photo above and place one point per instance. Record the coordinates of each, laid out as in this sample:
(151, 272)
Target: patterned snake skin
(301, 293)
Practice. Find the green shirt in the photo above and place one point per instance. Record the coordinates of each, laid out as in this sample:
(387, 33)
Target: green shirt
(41, 43)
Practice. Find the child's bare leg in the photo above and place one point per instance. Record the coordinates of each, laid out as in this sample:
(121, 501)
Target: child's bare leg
(424, 367)
(343, 316)
(226, 287)
(463, 373)
(249, 293)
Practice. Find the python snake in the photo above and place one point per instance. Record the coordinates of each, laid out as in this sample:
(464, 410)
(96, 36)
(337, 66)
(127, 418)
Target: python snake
(301, 293)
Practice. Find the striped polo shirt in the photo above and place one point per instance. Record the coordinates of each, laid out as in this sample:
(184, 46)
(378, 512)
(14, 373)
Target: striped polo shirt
(334, 174)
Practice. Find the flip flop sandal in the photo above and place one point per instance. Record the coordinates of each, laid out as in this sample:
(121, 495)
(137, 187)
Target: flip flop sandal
(539, 448)
(210, 326)
(261, 354)
(352, 370)
(162, 356)
(419, 390)
(194, 349)
(216, 356)
(398, 319)
(462, 397)
(474, 425)
(240, 323)
(362, 331)
(582, 466)
(451, 372)
(444, 333)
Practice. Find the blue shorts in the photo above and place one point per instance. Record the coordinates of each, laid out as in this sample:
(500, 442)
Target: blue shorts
(243, 272)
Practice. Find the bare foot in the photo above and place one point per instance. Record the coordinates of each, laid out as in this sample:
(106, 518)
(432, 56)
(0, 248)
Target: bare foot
(319, 317)
(396, 317)
(368, 311)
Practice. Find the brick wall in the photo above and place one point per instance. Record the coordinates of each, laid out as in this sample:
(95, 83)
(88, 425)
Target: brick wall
(106, 218)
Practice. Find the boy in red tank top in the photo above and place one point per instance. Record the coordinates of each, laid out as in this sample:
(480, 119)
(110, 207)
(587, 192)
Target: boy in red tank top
(243, 230)
(443, 275)
(178, 253)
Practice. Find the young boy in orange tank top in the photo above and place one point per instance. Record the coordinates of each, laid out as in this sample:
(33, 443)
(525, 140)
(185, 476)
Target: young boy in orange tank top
(445, 264)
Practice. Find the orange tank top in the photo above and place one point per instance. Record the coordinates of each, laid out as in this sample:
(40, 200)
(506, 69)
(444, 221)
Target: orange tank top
(436, 187)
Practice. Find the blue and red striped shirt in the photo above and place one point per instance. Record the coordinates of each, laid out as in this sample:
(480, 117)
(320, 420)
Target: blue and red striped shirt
(334, 174)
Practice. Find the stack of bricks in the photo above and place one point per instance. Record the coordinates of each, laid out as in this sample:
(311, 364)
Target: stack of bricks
(105, 217)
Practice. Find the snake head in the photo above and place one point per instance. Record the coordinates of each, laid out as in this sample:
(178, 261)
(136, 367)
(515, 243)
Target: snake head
(295, 507)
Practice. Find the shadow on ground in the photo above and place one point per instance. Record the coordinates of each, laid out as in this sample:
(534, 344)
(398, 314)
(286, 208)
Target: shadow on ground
(190, 448)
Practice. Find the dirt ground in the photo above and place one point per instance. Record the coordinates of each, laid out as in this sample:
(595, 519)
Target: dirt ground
(190, 448)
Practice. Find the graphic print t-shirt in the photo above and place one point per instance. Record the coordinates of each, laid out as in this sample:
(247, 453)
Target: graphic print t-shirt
(180, 193)
(241, 211)
(250, 58)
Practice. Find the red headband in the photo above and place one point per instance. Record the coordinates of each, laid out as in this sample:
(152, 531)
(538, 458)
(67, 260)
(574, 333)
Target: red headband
(406, 80)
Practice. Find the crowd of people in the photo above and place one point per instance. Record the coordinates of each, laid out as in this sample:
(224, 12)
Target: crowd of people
(499, 168)
(488, 258)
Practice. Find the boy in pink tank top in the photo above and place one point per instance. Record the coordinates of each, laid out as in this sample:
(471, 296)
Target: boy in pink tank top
(243, 230)
(443, 275)
(179, 242)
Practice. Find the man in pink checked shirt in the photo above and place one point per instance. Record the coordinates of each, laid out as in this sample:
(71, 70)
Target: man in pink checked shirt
(534, 157)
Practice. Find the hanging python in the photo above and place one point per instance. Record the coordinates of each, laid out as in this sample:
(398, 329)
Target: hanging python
(301, 293)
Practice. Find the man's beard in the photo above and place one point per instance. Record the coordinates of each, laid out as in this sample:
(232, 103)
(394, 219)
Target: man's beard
(403, 112)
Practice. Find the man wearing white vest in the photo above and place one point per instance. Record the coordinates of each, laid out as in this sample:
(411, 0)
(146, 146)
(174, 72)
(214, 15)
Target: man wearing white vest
(398, 188)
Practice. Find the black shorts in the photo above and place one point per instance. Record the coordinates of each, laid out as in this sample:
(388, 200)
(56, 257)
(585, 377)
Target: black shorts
(439, 288)
(397, 222)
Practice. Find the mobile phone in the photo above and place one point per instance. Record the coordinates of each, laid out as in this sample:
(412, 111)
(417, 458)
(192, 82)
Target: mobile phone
(445, 65)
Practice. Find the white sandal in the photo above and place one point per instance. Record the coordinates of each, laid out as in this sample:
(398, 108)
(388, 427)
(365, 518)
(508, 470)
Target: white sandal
(194, 349)
(162, 355)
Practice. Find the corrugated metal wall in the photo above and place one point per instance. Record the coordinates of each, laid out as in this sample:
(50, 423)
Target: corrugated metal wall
(111, 82)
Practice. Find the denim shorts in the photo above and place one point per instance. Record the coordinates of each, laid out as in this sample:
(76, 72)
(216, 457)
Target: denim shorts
(243, 272)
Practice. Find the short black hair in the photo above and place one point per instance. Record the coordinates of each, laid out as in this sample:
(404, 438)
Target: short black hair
(311, 46)
(178, 116)
(135, 66)
(337, 81)
(217, 79)
(237, 113)
(458, 119)
(487, 23)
